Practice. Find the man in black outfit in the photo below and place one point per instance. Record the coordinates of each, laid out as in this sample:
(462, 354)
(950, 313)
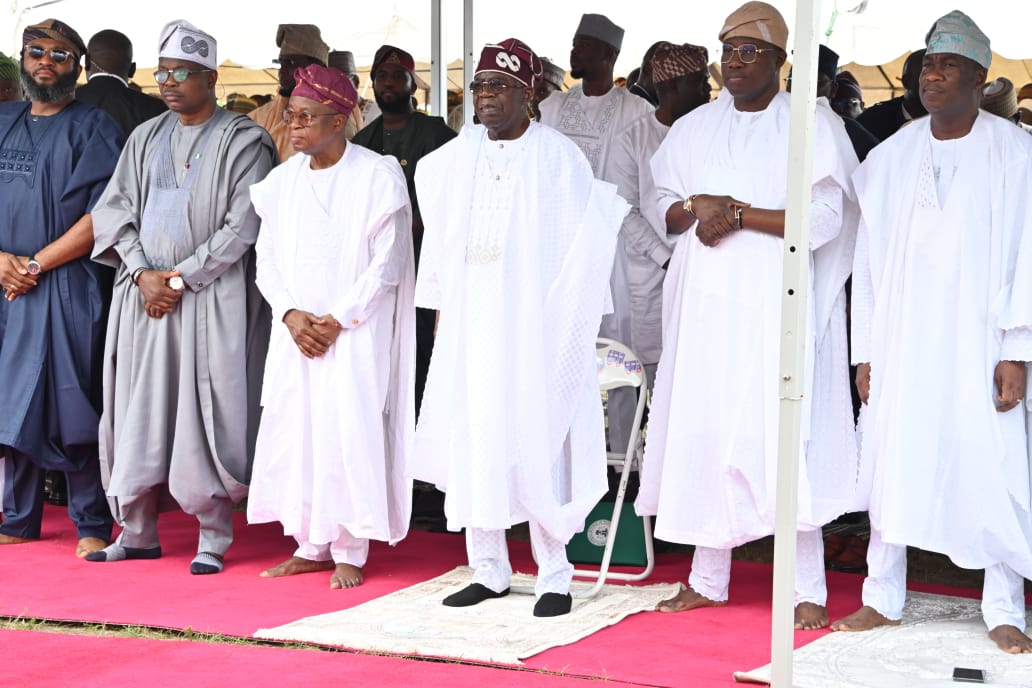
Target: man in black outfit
(884, 119)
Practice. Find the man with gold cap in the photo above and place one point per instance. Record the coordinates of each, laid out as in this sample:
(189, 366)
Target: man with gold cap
(517, 263)
(300, 45)
(680, 75)
(712, 450)
(335, 263)
(56, 155)
(591, 114)
(188, 329)
(942, 337)
(10, 88)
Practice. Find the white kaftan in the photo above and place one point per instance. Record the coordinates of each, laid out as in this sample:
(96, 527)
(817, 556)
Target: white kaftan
(517, 250)
(709, 469)
(334, 433)
(942, 291)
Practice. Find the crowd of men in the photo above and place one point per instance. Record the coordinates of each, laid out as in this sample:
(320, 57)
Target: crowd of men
(202, 306)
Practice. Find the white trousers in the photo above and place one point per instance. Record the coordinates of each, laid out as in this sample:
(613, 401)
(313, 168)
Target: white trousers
(711, 570)
(488, 555)
(885, 588)
(346, 549)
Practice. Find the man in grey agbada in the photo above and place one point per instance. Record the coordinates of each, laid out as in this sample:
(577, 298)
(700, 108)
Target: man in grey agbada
(188, 328)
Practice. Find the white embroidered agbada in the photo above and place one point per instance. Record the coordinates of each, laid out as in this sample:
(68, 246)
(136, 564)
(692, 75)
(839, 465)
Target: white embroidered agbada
(942, 291)
(517, 253)
(709, 469)
(643, 232)
(335, 430)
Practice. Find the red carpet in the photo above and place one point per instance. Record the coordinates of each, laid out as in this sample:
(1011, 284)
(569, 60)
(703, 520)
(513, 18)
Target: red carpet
(701, 648)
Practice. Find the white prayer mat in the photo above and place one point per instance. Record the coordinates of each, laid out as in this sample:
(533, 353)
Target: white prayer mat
(412, 621)
(938, 633)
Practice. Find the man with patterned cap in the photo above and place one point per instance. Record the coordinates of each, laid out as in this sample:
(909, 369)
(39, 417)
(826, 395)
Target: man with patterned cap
(553, 78)
(56, 155)
(942, 336)
(300, 45)
(188, 329)
(720, 177)
(680, 75)
(10, 88)
(335, 264)
(591, 114)
(408, 135)
(516, 262)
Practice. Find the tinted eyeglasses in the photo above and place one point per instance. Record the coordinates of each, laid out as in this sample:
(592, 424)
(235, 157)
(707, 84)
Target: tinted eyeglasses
(56, 54)
(179, 74)
(492, 87)
(304, 118)
(747, 53)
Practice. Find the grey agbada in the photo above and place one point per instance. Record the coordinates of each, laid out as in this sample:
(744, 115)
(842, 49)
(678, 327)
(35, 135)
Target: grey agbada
(181, 394)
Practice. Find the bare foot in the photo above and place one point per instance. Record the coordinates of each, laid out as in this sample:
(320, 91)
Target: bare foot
(346, 576)
(296, 565)
(685, 600)
(1011, 640)
(863, 619)
(810, 616)
(88, 545)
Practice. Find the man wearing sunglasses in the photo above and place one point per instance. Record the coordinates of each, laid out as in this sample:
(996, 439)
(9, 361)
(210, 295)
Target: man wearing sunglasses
(188, 328)
(720, 176)
(56, 156)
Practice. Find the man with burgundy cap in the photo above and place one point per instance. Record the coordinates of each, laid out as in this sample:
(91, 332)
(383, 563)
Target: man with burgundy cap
(335, 264)
(720, 178)
(591, 114)
(300, 45)
(188, 329)
(519, 244)
(408, 135)
(680, 76)
(56, 155)
(942, 339)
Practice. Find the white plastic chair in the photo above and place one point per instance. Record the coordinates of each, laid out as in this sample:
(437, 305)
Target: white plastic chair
(618, 366)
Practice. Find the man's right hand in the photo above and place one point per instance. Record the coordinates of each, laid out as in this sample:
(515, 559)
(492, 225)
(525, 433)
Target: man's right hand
(14, 276)
(716, 216)
(304, 328)
(863, 381)
(158, 297)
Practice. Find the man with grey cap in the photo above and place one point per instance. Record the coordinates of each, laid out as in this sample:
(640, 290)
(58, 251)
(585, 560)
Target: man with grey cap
(720, 178)
(344, 60)
(553, 78)
(300, 45)
(942, 337)
(188, 329)
(591, 114)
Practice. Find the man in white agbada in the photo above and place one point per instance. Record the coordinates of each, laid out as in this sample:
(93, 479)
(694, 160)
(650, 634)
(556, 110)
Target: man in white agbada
(188, 329)
(335, 263)
(591, 114)
(682, 81)
(942, 334)
(711, 457)
(517, 252)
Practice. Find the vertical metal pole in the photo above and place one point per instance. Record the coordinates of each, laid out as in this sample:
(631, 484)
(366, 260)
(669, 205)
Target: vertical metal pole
(438, 64)
(469, 59)
(794, 293)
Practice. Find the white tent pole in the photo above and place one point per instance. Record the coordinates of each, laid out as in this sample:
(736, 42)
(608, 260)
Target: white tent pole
(438, 63)
(469, 60)
(795, 285)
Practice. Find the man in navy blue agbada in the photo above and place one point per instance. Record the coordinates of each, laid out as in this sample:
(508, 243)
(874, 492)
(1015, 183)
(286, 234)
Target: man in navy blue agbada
(56, 156)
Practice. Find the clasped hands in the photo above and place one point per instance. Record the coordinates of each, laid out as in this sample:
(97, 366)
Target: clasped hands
(14, 275)
(717, 217)
(313, 334)
(158, 297)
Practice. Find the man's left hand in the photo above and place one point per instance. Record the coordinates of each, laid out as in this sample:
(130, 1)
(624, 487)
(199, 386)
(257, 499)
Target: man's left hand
(1010, 384)
(14, 274)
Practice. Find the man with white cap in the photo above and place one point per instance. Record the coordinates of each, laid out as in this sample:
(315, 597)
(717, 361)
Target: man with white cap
(942, 337)
(335, 263)
(188, 329)
(591, 114)
(711, 456)
(519, 241)
(680, 75)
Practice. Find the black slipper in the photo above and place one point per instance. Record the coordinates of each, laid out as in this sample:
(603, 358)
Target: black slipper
(475, 593)
(553, 604)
